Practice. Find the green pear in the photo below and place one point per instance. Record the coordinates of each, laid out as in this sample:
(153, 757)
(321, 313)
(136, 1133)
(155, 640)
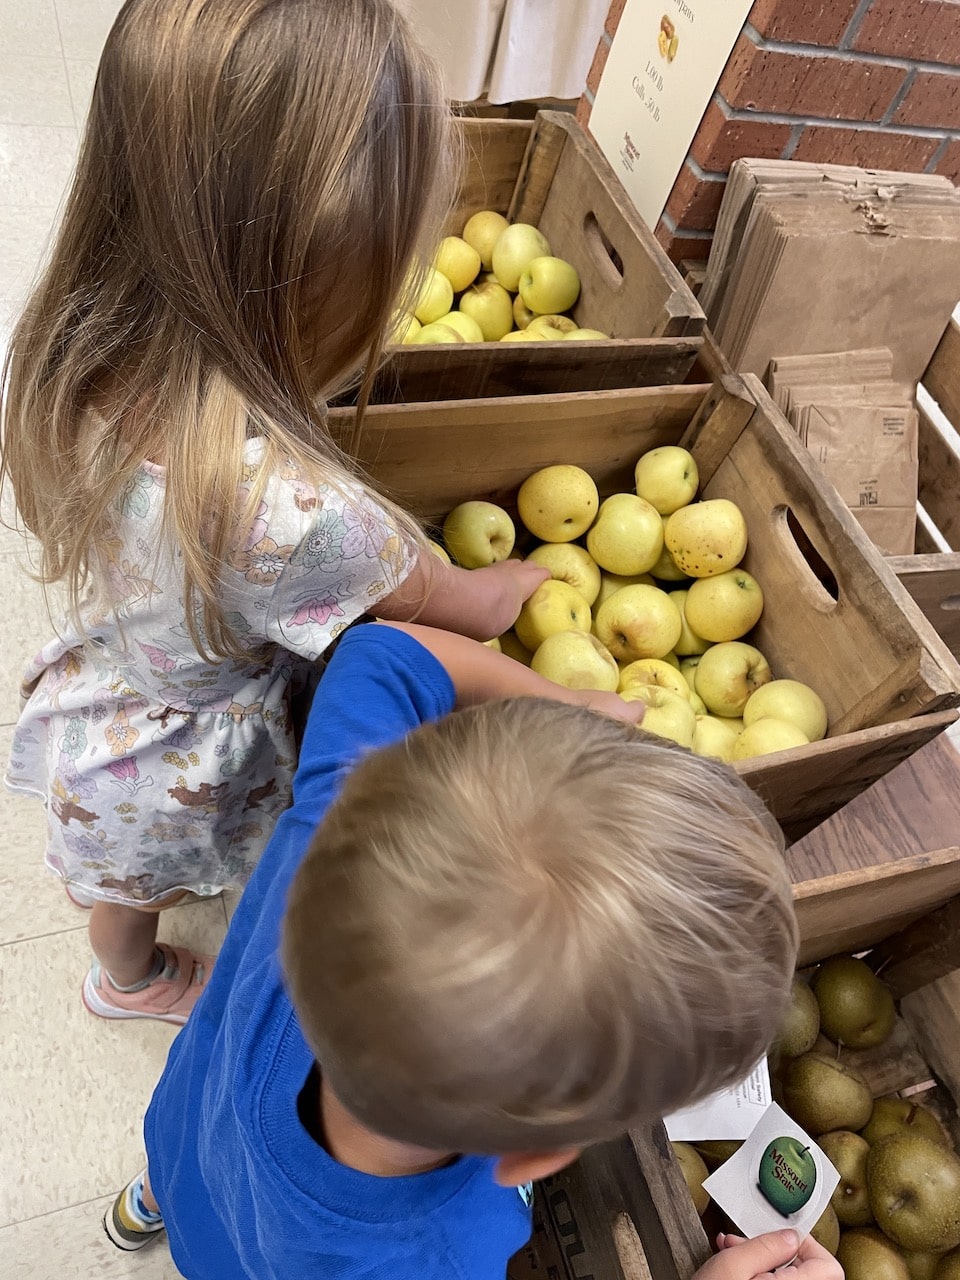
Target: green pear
(915, 1191)
(848, 1152)
(694, 1173)
(856, 1009)
(821, 1094)
(826, 1231)
(948, 1268)
(715, 1154)
(922, 1264)
(901, 1115)
(800, 1026)
(867, 1254)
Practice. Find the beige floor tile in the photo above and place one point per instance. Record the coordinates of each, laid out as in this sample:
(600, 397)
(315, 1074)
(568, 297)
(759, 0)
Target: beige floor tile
(27, 626)
(29, 27)
(26, 233)
(73, 1088)
(36, 162)
(71, 1243)
(35, 91)
(84, 25)
(81, 75)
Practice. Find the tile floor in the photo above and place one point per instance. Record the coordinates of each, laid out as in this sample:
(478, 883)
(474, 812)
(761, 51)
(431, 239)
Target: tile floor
(72, 1089)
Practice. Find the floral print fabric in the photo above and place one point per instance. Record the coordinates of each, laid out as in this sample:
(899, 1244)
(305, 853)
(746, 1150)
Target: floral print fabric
(161, 771)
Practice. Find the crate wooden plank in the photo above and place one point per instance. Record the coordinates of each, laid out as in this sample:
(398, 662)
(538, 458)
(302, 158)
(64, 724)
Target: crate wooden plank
(942, 378)
(934, 583)
(804, 786)
(492, 156)
(933, 1015)
(939, 478)
(925, 951)
(683, 1232)
(538, 169)
(856, 909)
(725, 414)
(895, 1065)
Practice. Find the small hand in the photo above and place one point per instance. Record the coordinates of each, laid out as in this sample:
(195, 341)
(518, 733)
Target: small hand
(758, 1259)
(611, 704)
(510, 583)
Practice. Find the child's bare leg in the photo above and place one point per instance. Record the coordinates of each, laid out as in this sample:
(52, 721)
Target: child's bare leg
(147, 1195)
(124, 940)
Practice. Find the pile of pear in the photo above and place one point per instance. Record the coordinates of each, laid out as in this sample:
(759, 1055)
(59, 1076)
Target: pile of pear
(497, 282)
(647, 598)
(895, 1214)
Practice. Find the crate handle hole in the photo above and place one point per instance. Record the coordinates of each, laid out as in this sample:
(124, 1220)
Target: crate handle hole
(603, 250)
(818, 581)
(951, 604)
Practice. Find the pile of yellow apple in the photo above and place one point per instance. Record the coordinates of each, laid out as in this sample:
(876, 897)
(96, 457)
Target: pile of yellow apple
(510, 288)
(653, 606)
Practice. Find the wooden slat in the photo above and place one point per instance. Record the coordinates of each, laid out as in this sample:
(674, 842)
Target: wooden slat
(934, 583)
(711, 364)
(493, 153)
(895, 1065)
(721, 420)
(939, 478)
(922, 953)
(933, 1015)
(539, 168)
(942, 378)
(684, 1235)
(856, 909)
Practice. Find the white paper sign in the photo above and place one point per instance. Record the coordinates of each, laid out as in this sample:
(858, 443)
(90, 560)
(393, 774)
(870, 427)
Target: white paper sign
(725, 1116)
(662, 69)
(778, 1179)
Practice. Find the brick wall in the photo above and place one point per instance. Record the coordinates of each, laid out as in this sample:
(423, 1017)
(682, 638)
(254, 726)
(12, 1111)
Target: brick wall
(865, 82)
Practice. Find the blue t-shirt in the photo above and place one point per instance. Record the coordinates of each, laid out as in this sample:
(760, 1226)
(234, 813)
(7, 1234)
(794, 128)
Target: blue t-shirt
(244, 1190)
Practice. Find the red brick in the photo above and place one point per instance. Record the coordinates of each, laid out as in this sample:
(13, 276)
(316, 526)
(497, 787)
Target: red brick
(721, 139)
(806, 85)
(695, 202)
(820, 22)
(614, 16)
(932, 100)
(904, 152)
(928, 30)
(680, 247)
(949, 164)
(596, 67)
(584, 109)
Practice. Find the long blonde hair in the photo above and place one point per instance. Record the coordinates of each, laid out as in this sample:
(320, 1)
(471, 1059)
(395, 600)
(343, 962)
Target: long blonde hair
(255, 181)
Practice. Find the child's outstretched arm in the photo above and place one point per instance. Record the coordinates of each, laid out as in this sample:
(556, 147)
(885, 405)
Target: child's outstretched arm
(480, 603)
(480, 674)
(758, 1259)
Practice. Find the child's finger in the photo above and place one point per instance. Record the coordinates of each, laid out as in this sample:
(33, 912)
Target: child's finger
(760, 1257)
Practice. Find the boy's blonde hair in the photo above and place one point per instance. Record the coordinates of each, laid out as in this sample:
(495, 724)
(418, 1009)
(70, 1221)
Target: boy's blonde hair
(256, 179)
(527, 927)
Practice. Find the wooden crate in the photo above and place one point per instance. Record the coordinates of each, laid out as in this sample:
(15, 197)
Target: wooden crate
(547, 172)
(835, 616)
(623, 1212)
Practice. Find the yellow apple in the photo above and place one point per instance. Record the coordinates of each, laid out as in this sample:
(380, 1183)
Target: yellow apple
(511, 646)
(482, 232)
(724, 607)
(668, 478)
(611, 582)
(707, 538)
(728, 674)
(521, 335)
(522, 315)
(665, 570)
(494, 644)
(791, 701)
(688, 667)
(458, 261)
(653, 671)
(627, 536)
(405, 328)
(551, 328)
(436, 297)
(638, 622)
(668, 714)
(549, 285)
(672, 658)
(478, 534)
(465, 325)
(435, 332)
(439, 552)
(516, 247)
(569, 563)
(577, 660)
(491, 307)
(764, 737)
(554, 606)
(690, 644)
(559, 503)
(698, 704)
(586, 335)
(714, 737)
(735, 722)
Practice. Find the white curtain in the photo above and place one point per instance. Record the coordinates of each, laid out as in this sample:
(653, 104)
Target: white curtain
(510, 49)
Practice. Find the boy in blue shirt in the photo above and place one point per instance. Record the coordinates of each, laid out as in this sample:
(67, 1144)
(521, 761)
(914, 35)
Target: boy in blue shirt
(509, 931)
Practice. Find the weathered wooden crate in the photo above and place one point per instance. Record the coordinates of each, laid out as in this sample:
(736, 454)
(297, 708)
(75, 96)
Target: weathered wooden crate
(835, 615)
(881, 876)
(547, 172)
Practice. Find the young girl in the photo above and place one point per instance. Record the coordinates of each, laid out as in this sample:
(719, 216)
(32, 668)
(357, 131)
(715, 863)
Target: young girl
(256, 180)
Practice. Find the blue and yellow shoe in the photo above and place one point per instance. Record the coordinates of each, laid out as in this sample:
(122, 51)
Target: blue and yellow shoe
(128, 1223)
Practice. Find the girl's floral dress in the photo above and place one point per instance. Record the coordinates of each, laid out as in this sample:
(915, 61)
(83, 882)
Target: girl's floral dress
(159, 770)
